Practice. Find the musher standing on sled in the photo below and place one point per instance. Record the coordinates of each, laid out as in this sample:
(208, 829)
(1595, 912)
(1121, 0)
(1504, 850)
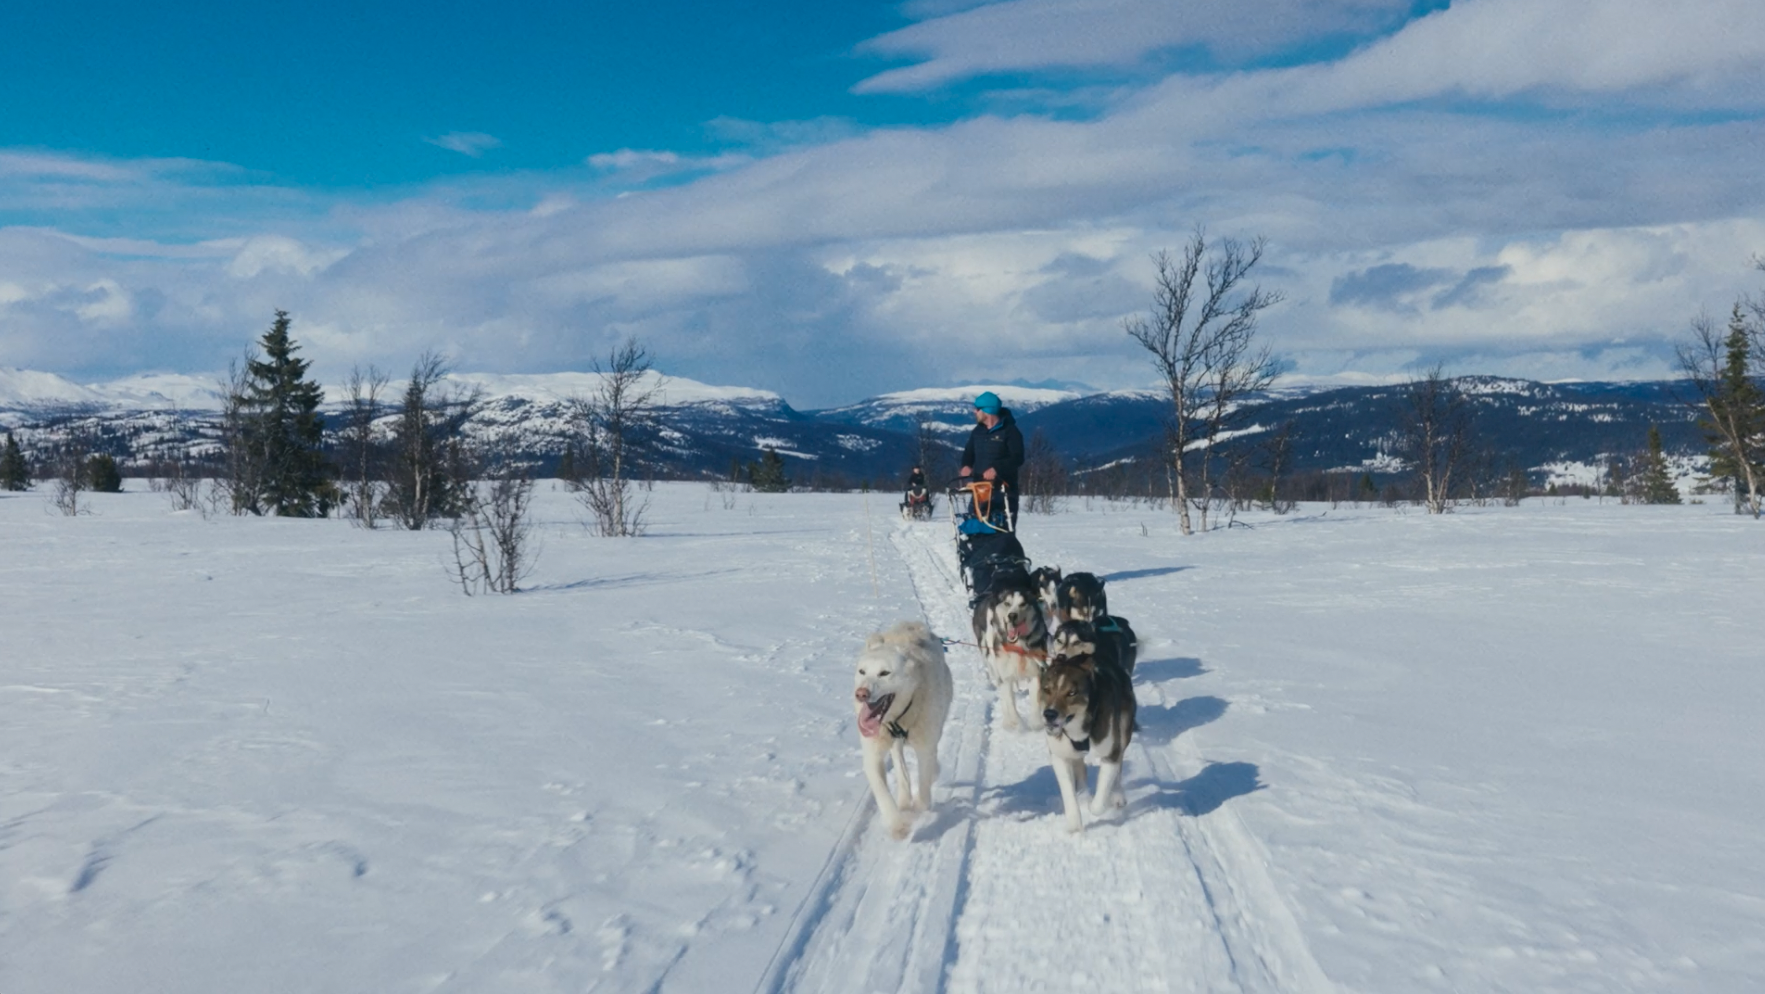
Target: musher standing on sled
(995, 447)
(915, 501)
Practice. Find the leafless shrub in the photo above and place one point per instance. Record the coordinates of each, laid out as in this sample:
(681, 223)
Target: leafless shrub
(1435, 422)
(493, 541)
(1043, 477)
(1277, 459)
(614, 421)
(69, 475)
(360, 457)
(182, 485)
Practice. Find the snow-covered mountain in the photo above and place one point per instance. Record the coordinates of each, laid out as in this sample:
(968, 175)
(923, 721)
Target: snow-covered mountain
(704, 428)
(29, 391)
(948, 409)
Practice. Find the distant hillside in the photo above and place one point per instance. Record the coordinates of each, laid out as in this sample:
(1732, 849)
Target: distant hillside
(703, 428)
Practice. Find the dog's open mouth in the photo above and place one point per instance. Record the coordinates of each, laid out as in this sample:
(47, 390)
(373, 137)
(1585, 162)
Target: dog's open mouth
(871, 718)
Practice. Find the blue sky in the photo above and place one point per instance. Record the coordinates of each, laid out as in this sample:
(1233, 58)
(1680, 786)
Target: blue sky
(834, 200)
(343, 95)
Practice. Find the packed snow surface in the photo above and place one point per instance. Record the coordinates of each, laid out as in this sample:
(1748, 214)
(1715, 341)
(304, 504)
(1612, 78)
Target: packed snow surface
(1506, 749)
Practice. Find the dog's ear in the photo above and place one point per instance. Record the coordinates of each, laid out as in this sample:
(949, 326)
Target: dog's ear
(875, 641)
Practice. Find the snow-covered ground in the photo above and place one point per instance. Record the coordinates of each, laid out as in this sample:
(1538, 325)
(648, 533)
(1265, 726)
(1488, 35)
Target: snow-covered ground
(1501, 750)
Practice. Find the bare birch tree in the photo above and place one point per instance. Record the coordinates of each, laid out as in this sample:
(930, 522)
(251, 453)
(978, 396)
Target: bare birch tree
(361, 454)
(1043, 476)
(614, 422)
(493, 541)
(242, 462)
(1435, 423)
(1201, 332)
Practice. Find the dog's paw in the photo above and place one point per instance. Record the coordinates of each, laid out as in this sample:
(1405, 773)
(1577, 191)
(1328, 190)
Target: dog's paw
(1102, 806)
(1074, 826)
(900, 827)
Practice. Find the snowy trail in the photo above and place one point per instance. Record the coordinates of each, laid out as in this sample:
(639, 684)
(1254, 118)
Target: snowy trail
(991, 894)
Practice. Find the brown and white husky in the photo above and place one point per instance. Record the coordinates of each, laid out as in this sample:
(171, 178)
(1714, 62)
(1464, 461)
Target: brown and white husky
(1088, 709)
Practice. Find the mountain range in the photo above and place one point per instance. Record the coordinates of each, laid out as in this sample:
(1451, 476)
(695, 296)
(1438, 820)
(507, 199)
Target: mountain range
(1550, 430)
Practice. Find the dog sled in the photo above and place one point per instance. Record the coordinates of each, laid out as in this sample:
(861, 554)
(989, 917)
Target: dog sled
(916, 504)
(986, 543)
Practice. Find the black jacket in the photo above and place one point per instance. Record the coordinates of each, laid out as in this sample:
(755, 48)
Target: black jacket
(1000, 450)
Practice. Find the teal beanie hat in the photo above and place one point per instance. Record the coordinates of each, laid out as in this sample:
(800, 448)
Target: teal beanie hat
(988, 402)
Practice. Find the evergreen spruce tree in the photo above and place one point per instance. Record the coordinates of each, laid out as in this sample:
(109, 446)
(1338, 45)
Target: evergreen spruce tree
(15, 471)
(102, 476)
(1740, 406)
(1656, 486)
(279, 409)
(767, 476)
(567, 464)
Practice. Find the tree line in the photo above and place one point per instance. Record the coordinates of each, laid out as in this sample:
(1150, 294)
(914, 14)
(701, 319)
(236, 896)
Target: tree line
(1200, 336)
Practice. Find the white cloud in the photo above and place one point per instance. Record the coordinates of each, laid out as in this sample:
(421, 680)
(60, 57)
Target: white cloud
(1031, 35)
(277, 253)
(472, 143)
(826, 263)
(632, 165)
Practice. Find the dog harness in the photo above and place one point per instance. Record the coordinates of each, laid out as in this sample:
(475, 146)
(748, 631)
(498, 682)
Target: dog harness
(895, 729)
(1078, 745)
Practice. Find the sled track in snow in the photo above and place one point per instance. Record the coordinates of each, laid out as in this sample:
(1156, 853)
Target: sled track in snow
(991, 895)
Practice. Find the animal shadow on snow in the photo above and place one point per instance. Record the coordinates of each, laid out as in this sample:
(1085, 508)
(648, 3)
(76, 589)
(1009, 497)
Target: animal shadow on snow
(946, 814)
(1180, 668)
(1204, 792)
(1162, 725)
(1141, 574)
(1032, 797)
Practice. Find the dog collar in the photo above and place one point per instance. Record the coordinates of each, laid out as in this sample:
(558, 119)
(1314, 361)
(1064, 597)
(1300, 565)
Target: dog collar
(1079, 745)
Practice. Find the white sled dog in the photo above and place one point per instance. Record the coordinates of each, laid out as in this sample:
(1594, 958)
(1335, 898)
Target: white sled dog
(901, 696)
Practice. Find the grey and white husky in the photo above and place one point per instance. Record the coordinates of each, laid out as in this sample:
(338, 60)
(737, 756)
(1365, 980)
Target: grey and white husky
(901, 696)
(1008, 628)
(1088, 709)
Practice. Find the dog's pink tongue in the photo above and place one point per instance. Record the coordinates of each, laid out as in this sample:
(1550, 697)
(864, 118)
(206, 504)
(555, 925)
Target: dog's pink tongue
(869, 724)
